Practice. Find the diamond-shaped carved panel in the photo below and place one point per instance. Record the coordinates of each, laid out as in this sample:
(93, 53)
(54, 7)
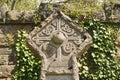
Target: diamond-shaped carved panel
(59, 42)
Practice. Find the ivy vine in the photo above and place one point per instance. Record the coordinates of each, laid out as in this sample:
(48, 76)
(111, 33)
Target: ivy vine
(27, 66)
(98, 63)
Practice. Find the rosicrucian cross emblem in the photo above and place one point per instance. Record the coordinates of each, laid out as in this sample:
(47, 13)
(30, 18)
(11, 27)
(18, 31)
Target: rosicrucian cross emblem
(58, 43)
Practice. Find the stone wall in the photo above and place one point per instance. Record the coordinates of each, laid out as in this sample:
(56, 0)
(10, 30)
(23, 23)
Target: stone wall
(11, 21)
(7, 49)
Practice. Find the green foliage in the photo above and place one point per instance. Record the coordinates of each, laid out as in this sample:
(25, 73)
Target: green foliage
(2, 1)
(27, 5)
(98, 63)
(37, 17)
(27, 66)
(22, 4)
(74, 8)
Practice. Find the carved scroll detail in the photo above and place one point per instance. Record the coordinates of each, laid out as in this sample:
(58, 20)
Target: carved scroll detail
(67, 29)
(68, 47)
(49, 29)
(78, 40)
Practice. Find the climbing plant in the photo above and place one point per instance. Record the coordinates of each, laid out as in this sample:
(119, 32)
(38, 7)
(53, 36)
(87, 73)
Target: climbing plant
(98, 63)
(27, 66)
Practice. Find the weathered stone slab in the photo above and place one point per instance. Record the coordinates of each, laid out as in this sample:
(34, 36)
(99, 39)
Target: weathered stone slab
(3, 78)
(6, 79)
(59, 43)
(10, 79)
(3, 59)
(28, 16)
(112, 12)
(3, 40)
(14, 15)
(59, 77)
(5, 51)
(99, 14)
(6, 70)
(116, 12)
(22, 16)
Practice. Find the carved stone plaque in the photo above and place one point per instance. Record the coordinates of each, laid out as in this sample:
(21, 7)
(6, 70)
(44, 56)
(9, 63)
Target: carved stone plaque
(58, 43)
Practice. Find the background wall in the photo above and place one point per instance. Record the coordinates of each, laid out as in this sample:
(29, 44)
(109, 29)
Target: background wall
(8, 33)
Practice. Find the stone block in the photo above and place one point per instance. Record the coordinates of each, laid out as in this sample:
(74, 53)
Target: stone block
(3, 40)
(5, 51)
(3, 78)
(10, 79)
(14, 15)
(99, 14)
(59, 77)
(116, 12)
(28, 15)
(6, 70)
(3, 59)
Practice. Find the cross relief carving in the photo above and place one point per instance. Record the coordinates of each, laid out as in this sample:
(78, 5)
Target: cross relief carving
(59, 42)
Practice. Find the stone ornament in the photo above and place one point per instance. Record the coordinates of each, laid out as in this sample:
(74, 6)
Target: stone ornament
(59, 42)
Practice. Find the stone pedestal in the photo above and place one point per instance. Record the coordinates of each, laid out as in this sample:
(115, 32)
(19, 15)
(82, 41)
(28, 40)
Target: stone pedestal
(58, 43)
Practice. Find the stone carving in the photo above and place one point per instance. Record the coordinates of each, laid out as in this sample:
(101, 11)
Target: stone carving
(68, 47)
(59, 42)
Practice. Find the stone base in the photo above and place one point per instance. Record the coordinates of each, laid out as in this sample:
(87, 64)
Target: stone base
(59, 77)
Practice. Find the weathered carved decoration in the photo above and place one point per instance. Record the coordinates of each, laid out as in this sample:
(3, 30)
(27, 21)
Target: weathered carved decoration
(59, 42)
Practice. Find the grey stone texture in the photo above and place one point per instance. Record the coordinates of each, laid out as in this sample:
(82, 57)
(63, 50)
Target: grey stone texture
(15, 16)
(6, 70)
(22, 16)
(58, 43)
(8, 32)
